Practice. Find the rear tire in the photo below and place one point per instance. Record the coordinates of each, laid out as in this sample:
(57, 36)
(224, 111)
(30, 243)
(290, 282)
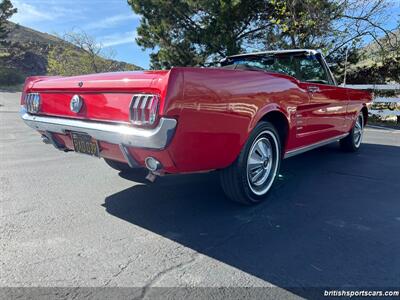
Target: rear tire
(352, 142)
(249, 179)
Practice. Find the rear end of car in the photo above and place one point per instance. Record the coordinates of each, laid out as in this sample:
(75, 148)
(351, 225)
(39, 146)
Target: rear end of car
(116, 116)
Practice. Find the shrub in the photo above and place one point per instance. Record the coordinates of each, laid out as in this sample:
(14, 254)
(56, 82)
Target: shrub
(9, 76)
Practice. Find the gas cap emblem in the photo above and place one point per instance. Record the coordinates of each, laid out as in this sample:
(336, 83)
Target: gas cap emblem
(76, 103)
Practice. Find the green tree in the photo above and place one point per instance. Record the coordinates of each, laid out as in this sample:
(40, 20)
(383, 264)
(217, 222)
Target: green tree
(81, 54)
(195, 32)
(379, 62)
(302, 23)
(198, 32)
(8, 76)
(6, 11)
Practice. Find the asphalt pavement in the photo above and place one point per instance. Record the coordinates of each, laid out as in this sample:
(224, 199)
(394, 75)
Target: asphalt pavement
(68, 220)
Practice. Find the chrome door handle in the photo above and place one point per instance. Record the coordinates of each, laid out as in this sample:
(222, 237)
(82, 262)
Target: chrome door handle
(313, 89)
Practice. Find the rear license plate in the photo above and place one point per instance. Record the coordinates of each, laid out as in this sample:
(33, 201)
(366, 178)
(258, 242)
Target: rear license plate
(84, 143)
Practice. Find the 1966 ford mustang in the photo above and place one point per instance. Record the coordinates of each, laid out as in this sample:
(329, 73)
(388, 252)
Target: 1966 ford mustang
(242, 118)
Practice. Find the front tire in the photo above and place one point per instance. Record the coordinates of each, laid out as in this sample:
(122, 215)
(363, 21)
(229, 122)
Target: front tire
(352, 142)
(249, 179)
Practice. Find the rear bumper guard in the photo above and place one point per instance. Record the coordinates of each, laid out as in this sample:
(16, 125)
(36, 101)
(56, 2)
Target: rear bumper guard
(125, 135)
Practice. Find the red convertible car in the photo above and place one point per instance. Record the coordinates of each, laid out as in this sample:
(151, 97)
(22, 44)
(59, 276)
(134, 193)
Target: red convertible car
(241, 118)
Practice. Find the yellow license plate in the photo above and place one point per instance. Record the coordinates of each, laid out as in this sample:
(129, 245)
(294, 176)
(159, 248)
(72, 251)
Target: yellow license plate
(84, 143)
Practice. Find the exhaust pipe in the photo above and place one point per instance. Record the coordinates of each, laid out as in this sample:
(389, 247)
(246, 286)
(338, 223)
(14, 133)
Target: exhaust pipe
(154, 166)
(45, 139)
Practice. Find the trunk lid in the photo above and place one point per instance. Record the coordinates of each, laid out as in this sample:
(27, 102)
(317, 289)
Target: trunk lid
(117, 81)
(106, 97)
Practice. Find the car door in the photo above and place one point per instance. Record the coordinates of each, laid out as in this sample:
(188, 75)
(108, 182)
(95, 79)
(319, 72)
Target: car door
(324, 116)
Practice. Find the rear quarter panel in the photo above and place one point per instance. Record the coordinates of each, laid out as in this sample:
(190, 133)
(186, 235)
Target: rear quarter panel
(217, 109)
(357, 99)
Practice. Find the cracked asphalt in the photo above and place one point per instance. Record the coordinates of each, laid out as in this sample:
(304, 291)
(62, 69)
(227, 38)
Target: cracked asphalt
(68, 220)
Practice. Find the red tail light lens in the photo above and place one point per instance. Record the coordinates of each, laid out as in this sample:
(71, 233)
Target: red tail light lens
(144, 109)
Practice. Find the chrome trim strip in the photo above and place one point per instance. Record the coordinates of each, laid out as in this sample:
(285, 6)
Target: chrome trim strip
(313, 146)
(33, 102)
(138, 106)
(154, 138)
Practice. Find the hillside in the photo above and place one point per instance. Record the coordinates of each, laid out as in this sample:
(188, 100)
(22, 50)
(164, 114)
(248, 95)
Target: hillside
(19, 33)
(29, 50)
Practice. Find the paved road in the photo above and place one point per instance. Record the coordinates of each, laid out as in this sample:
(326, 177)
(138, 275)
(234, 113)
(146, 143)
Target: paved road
(333, 219)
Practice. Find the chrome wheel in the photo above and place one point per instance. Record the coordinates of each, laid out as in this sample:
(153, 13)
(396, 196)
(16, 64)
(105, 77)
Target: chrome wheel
(358, 130)
(262, 162)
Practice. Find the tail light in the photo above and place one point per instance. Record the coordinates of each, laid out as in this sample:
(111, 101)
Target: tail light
(29, 81)
(144, 109)
(32, 102)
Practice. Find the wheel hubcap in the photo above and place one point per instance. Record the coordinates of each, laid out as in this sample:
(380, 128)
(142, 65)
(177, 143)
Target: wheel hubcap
(258, 165)
(262, 164)
(358, 130)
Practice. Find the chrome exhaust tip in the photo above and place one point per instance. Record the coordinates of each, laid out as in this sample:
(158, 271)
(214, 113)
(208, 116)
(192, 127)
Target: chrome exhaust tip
(152, 164)
(45, 139)
(154, 167)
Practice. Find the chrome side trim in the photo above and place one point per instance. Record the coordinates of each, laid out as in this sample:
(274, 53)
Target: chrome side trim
(313, 146)
(154, 138)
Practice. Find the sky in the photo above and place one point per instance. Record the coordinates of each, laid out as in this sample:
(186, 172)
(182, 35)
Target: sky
(112, 22)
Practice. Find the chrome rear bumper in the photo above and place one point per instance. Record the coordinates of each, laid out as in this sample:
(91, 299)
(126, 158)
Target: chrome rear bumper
(155, 138)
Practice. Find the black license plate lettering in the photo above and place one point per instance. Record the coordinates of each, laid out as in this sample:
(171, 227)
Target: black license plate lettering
(84, 143)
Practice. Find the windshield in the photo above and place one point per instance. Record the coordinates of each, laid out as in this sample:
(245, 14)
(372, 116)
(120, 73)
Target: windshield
(302, 66)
